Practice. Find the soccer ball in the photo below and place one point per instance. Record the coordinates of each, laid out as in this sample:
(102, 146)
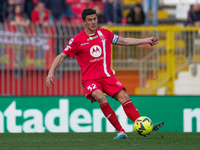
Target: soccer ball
(143, 125)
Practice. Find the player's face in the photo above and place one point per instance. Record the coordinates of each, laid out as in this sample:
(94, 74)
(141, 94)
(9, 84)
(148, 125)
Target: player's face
(91, 22)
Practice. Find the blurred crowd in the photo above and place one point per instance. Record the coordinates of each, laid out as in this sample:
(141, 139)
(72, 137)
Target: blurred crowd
(110, 12)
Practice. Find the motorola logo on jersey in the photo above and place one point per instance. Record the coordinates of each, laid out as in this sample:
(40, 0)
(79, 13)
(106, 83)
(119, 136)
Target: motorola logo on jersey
(95, 51)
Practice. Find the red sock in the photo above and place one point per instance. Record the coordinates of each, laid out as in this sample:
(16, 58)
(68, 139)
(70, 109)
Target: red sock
(130, 110)
(111, 116)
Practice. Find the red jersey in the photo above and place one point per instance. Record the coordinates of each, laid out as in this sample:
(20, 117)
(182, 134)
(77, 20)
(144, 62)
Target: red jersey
(38, 18)
(93, 53)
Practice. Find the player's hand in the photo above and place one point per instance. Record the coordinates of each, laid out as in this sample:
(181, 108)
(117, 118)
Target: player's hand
(49, 80)
(153, 40)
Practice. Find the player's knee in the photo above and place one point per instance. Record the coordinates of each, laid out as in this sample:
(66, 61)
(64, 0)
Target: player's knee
(122, 97)
(126, 96)
(101, 99)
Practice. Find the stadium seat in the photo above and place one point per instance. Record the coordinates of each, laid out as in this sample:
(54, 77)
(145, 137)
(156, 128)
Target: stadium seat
(77, 8)
(100, 3)
(162, 14)
(35, 2)
(85, 1)
(126, 12)
(72, 1)
(175, 2)
(131, 2)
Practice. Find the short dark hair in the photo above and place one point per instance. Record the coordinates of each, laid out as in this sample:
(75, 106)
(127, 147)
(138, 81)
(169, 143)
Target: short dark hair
(88, 11)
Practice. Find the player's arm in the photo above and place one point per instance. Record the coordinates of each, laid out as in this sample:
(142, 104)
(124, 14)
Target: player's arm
(133, 41)
(56, 63)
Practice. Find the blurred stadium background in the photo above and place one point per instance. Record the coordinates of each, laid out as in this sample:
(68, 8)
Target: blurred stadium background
(163, 81)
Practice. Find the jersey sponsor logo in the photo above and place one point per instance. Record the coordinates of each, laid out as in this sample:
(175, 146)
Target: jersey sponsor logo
(84, 43)
(67, 48)
(70, 42)
(96, 59)
(92, 38)
(95, 51)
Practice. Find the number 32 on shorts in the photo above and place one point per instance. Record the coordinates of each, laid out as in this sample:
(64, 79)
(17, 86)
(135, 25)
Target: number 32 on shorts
(92, 86)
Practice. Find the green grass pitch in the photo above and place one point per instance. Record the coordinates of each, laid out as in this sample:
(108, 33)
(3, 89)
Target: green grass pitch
(98, 141)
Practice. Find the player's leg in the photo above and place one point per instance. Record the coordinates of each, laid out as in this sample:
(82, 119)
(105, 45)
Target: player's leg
(98, 96)
(128, 106)
(146, 8)
(93, 91)
(130, 109)
(114, 88)
(155, 4)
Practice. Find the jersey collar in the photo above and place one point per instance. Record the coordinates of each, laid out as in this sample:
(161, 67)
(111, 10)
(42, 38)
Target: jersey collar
(90, 35)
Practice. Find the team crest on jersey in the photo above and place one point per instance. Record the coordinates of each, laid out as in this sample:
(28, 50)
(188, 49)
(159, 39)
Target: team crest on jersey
(119, 83)
(70, 42)
(95, 51)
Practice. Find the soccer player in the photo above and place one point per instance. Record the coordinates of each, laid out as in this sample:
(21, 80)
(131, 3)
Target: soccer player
(92, 48)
